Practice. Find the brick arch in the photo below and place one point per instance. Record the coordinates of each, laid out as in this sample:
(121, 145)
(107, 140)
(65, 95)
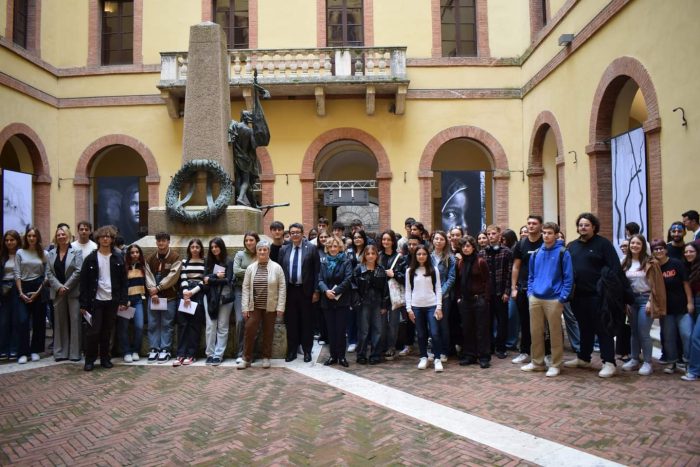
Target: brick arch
(613, 79)
(81, 180)
(535, 171)
(308, 175)
(498, 160)
(42, 171)
(267, 180)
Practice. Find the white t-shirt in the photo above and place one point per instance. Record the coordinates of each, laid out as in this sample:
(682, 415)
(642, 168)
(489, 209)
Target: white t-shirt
(104, 283)
(86, 248)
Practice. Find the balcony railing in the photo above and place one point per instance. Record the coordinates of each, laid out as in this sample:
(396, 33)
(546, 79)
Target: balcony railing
(304, 72)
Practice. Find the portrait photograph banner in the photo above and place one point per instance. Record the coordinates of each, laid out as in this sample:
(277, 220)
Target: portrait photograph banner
(17, 201)
(464, 200)
(629, 168)
(118, 205)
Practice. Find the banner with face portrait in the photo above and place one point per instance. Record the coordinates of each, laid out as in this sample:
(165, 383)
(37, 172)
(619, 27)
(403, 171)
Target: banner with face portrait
(464, 200)
(629, 167)
(17, 204)
(118, 205)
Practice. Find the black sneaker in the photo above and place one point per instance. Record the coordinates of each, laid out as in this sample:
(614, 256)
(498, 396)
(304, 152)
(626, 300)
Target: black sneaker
(209, 360)
(216, 361)
(164, 356)
(501, 355)
(484, 364)
(152, 355)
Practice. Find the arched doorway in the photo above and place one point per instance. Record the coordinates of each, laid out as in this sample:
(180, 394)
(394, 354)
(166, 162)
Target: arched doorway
(546, 171)
(457, 151)
(116, 181)
(22, 151)
(346, 187)
(355, 140)
(625, 100)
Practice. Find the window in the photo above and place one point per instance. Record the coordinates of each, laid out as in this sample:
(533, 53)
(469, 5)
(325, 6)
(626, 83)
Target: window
(344, 23)
(117, 32)
(20, 23)
(458, 23)
(544, 13)
(232, 15)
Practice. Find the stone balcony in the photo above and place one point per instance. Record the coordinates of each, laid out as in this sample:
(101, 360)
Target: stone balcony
(303, 73)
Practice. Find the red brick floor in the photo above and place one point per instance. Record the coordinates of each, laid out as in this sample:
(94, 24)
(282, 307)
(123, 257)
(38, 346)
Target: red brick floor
(630, 419)
(150, 415)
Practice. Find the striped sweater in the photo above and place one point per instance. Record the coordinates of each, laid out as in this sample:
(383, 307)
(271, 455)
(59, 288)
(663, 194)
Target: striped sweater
(192, 275)
(136, 282)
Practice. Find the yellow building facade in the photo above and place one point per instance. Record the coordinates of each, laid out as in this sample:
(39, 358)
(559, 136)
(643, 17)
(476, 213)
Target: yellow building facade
(532, 99)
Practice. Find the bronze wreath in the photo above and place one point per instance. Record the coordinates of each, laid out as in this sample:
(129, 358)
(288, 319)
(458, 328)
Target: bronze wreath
(174, 206)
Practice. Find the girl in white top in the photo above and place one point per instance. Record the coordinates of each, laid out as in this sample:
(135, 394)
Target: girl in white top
(424, 302)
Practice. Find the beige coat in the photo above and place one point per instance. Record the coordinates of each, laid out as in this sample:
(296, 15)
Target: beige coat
(657, 297)
(276, 287)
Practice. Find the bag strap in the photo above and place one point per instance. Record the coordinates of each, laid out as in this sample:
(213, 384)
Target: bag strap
(395, 260)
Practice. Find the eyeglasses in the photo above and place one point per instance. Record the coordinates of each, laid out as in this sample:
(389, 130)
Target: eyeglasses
(296, 232)
(658, 248)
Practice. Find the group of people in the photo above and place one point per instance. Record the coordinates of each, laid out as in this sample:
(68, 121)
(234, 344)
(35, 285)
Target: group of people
(459, 296)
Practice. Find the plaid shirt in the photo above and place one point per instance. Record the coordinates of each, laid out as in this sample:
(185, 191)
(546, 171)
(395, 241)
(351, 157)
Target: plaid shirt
(500, 262)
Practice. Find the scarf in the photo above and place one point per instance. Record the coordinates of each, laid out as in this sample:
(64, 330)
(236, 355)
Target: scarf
(333, 261)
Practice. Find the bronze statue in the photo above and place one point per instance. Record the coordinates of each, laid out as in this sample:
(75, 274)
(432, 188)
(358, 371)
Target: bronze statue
(246, 135)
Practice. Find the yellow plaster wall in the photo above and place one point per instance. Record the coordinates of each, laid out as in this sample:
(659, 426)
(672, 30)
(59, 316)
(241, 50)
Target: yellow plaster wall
(3, 17)
(109, 85)
(464, 77)
(569, 92)
(167, 32)
(404, 23)
(286, 24)
(555, 6)
(26, 72)
(509, 27)
(64, 32)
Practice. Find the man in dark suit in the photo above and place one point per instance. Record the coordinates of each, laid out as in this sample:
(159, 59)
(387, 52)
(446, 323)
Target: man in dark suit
(301, 264)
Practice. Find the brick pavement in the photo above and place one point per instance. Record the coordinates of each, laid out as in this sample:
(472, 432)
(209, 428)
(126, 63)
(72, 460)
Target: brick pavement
(151, 415)
(629, 419)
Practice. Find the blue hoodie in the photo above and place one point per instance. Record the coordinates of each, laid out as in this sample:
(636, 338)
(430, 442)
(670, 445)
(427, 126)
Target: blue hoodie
(548, 278)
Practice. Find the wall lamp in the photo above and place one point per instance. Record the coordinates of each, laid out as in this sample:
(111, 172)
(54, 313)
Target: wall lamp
(565, 40)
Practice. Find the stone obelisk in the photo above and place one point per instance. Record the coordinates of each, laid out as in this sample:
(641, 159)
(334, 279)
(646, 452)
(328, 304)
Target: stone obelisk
(206, 119)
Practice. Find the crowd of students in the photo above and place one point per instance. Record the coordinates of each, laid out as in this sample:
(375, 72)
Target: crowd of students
(459, 296)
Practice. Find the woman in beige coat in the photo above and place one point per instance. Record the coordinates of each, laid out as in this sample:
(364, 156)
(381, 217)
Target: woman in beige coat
(63, 274)
(264, 296)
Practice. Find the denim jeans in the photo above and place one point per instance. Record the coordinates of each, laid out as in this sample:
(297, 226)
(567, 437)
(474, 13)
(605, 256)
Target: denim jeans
(390, 328)
(443, 328)
(513, 324)
(423, 316)
(572, 327)
(12, 323)
(641, 322)
(125, 345)
(369, 320)
(217, 331)
(240, 322)
(673, 325)
(352, 326)
(694, 352)
(160, 326)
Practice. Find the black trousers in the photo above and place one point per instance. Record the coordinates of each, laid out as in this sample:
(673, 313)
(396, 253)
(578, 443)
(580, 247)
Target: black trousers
(336, 320)
(587, 312)
(97, 335)
(189, 331)
(476, 328)
(499, 310)
(523, 305)
(298, 318)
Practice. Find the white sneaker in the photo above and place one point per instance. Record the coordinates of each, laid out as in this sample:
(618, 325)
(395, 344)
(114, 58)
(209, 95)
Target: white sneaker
(607, 371)
(631, 365)
(135, 357)
(533, 367)
(266, 363)
(646, 369)
(128, 358)
(577, 363)
(321, 342)
(352, 348)
(670, 369)
(22, 360)
(443, 358)
(431, 357)
(242, 365)
(458, 348)
(405, 351)
(35, 357)
(438, 366)
(547, 361)
(552, 372)
(239, 360)
(522, 358)
(423, 363)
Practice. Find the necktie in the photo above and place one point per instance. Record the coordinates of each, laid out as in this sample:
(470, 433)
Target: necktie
(295, 265)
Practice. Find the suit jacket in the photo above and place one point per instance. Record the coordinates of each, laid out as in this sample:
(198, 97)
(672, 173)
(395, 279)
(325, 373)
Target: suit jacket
(310, 265)
(74, 263)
